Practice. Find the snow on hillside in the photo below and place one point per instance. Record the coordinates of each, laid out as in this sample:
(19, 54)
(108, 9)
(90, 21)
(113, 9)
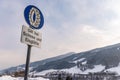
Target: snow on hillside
(44, 72)
(12, 78)
(79, 60)
(73, 70)
(96, 68)
(115, 69)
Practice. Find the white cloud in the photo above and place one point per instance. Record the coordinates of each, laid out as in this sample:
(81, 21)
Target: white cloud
(88, 27)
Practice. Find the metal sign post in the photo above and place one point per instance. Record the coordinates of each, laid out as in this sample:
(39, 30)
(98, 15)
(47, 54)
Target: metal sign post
(30, 36)
(27, 62)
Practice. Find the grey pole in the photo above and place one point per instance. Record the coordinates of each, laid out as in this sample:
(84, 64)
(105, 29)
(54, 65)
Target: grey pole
(27, 63)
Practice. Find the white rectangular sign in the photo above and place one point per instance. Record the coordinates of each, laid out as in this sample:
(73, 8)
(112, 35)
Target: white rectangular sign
(31, 37)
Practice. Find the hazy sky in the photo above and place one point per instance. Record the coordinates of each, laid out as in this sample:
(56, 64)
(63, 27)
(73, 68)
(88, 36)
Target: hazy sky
(70, 26)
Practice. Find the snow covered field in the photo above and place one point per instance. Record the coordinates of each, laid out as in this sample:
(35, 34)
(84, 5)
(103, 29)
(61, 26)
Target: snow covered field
(73, 70)
(12, 78)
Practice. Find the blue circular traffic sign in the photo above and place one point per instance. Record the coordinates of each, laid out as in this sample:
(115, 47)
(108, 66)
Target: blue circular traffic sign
(33, 17)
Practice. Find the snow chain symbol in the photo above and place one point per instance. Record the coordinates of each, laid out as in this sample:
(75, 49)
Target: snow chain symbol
(34, 17)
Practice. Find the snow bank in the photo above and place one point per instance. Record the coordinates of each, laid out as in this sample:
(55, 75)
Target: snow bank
(8, 78)
(12, 78)
(115, 69)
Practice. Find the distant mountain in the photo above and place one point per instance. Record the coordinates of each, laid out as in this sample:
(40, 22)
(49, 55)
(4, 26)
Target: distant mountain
(35, 64)
(108, 57)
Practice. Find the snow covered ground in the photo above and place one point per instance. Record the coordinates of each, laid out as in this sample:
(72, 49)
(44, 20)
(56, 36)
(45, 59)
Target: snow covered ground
(97, 68)
(115, 69)
(73, 70)
(12, 78)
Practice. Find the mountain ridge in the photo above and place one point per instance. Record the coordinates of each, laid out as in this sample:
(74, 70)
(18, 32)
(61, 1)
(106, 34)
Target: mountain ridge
(108, 56)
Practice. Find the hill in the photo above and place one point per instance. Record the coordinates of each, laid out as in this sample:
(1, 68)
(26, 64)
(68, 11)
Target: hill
(108, 57)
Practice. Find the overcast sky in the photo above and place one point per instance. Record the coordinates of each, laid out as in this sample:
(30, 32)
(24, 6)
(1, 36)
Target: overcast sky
(70, 26)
